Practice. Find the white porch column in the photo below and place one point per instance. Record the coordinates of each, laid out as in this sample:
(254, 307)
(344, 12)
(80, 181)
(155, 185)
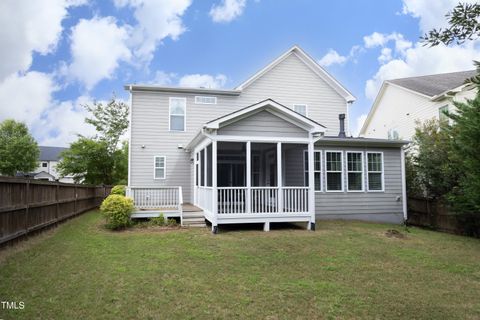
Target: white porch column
(195, 165)
(248, 193)
(214, 179)
(279, 177)
(311, 186)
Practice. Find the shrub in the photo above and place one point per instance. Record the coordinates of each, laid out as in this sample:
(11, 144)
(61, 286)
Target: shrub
(158, 221)
(171, 222)
(119, 189)
(116, 210)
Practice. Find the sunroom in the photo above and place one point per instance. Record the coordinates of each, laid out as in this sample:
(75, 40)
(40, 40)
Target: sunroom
(250, 166)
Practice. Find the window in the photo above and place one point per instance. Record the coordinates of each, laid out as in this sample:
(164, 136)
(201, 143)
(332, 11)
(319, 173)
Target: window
(177, 111)
(442, 116)
(205, 100)
(354, 171)
(393, 134)
(44, 164)
(300, 108)
(159, 167)
(317, 169)
(334, 171)
(375, 171)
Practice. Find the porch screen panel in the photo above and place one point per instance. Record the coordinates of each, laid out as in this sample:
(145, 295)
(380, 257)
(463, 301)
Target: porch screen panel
(334, 170)
(209, 166)
(202, 168)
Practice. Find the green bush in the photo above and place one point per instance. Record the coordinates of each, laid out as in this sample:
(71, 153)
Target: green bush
(116, 210)
(171, 222)
(120, 190)
(158, 221)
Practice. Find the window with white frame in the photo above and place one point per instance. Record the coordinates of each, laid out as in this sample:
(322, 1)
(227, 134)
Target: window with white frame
(442, 113)
(44, 164)
(354, 171)
(334, 171)
(317, 169)
(300, 108)
(375, 171)
(393, 134)
(205, 100)
(177, 111)
(159, 167)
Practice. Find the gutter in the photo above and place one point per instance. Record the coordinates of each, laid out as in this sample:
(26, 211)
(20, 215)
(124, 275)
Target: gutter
(182, 90)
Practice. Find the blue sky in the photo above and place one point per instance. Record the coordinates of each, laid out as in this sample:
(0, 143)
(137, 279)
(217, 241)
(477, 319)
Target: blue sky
(61, 54)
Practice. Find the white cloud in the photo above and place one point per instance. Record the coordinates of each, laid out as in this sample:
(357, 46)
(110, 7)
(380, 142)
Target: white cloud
(431, 14)
(377, 39)
(24, 97)
(420, 60)
(359, 124)
(163, 78)
(98, 45)
(203, 81)
(27, 27)
(332, 57)
(385, 56)
(227, 11)
(156, 20)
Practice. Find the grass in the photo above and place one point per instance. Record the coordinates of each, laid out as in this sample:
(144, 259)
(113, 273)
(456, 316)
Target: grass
(344, 270)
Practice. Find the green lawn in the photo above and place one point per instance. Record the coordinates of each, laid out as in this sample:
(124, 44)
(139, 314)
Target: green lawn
(344, 270)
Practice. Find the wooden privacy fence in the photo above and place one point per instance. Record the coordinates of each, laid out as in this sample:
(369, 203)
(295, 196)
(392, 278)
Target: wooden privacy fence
(436, 215)
(29, 205)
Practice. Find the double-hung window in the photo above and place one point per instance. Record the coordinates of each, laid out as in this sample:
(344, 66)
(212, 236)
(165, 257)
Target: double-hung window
(317, 169)
(375, 171)
(354, 171)
(300, 108)
(334, 170)
(177, 113)
(160, 165)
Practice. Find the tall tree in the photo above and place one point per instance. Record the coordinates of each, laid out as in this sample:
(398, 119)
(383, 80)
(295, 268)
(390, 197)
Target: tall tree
(18, 150)
(463, 24)
(98, 159)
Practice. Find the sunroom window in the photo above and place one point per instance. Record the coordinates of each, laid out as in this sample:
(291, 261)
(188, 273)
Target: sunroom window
(334, 172)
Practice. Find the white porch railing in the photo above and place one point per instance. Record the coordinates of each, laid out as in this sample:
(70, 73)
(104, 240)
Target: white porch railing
(204, 198)
(262, 200)
(156, 198)
(232, 200)
(295, 199)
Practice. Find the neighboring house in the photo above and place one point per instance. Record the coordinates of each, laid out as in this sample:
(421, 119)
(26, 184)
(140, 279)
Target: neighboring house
(273, 149)
(47, 166)
(400, 103)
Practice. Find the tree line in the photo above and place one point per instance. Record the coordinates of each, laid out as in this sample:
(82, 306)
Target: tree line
(99, 159)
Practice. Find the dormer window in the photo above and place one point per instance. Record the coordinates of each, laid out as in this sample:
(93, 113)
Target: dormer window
(300, 108)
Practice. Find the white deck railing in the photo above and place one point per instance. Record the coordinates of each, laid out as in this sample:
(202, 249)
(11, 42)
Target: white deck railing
(156, 198)
(262, 200)
(204, 198)
(232, 200)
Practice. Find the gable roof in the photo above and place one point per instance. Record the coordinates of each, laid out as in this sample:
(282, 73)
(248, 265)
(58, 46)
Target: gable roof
(269, 105)
(50, 153)
(434, 84)
(309, 62)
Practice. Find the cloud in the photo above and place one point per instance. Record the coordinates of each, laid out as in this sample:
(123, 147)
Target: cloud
(156, 20)
(332, 57)
(203, 81)
(377, 39)
(431, 14)
(420, 60)
(97, 46)
(385, 56)
(163, 78)
(227, 10)
(27, 27)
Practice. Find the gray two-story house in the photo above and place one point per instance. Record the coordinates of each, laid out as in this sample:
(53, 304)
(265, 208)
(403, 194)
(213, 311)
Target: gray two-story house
(273, 149)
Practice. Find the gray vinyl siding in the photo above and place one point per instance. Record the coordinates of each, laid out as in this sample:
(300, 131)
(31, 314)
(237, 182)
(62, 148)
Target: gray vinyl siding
(263, 124)
(365, 203)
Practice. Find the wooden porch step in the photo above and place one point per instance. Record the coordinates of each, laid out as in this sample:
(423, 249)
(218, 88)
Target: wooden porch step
(188, 207)
(187, 215)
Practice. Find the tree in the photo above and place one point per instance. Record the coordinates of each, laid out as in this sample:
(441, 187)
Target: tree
(98, 160)
(431, 160)
(18, 150)
(463, 23)
(465, 140)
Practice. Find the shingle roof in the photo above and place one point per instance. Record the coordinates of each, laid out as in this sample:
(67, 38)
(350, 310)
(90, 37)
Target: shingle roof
(434, 84)
(50, 153)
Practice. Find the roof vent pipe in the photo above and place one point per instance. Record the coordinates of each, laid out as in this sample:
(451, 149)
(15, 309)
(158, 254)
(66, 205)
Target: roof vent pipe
(341, 117)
